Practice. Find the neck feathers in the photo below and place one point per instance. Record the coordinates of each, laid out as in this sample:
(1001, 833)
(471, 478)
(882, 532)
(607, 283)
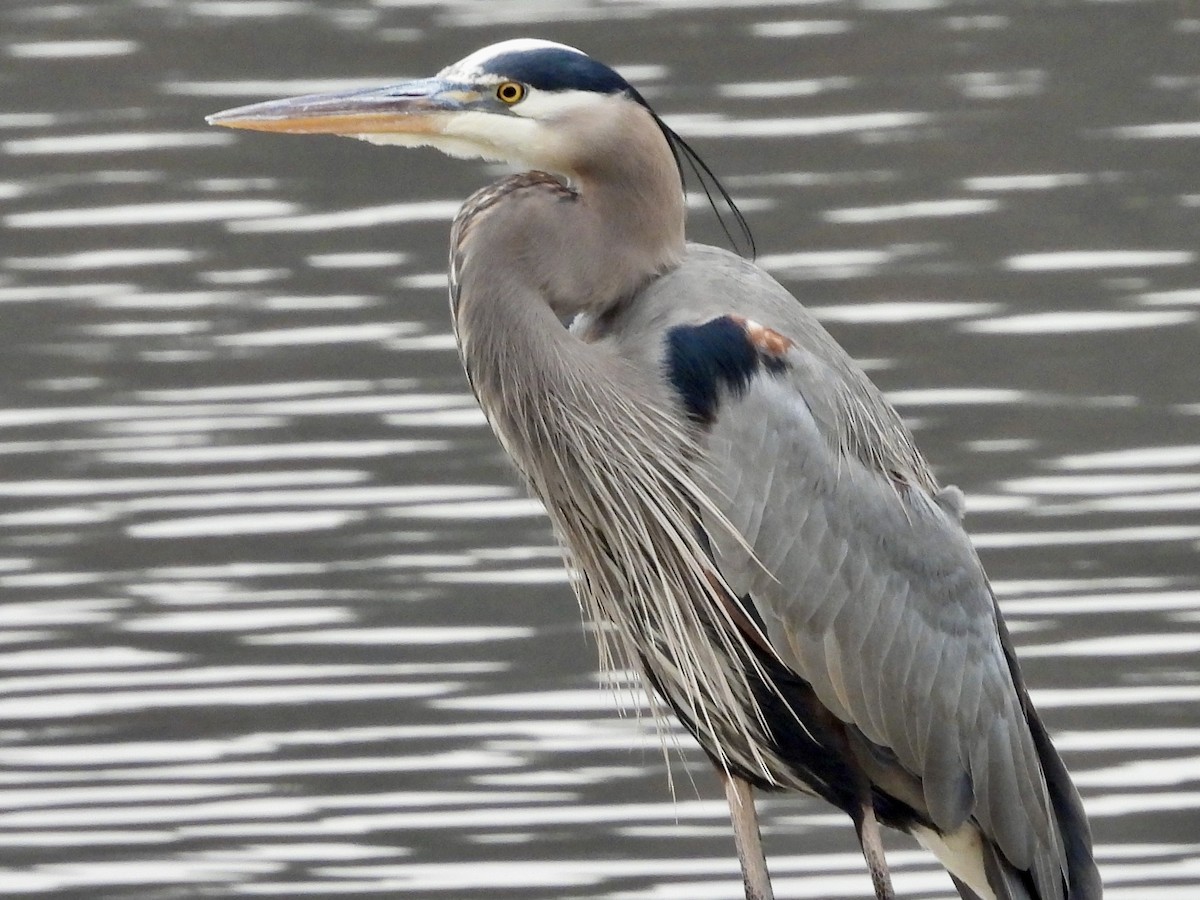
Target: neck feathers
(590, 246)
(596, 438)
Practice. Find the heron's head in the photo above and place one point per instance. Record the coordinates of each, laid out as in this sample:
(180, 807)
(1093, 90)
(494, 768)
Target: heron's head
(525, 101)
(530, 102)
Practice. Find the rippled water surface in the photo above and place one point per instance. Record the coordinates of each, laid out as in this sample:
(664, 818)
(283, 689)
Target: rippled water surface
(276, 619)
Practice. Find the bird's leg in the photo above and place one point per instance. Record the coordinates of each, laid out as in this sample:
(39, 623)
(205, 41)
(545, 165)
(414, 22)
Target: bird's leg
(871, 842)
(747, 838)
(865, 823)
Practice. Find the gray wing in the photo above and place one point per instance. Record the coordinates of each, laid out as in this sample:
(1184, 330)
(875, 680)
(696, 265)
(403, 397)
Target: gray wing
(856, 562)
(870, 590)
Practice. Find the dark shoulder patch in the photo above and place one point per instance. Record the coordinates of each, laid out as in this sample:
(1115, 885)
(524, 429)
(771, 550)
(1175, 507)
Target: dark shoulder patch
(720, 353)
(557, 69)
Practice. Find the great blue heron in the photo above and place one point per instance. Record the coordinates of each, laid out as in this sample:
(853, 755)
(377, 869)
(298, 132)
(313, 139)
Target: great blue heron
(751, 524)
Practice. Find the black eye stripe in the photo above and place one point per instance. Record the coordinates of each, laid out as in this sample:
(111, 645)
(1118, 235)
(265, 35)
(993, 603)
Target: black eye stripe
(556, 69)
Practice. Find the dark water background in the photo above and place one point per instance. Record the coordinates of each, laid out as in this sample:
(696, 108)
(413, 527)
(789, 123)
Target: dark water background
(276, 620)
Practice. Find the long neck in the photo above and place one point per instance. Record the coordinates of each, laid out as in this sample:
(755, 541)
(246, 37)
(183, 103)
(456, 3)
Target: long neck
(601, 445)
(597, 438)
(629, 185)
(589, 247)
(529, 251)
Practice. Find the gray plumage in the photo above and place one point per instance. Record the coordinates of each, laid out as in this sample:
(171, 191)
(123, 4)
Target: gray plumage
(749, 523)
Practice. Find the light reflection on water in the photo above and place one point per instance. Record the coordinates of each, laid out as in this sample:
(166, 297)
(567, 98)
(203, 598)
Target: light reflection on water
(277, 619)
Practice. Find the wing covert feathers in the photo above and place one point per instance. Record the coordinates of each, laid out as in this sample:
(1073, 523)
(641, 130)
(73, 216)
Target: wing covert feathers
(875, 597)
(857, 565)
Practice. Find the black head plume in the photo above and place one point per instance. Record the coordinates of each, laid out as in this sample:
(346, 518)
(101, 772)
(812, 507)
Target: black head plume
(730, 218)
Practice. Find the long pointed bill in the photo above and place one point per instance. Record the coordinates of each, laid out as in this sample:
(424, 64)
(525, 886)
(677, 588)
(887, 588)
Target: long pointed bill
(415, 108)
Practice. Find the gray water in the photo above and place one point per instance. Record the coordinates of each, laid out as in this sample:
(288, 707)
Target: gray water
(276, 618)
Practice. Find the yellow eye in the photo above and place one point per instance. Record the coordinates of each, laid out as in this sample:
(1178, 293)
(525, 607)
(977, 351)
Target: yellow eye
(510, 92)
